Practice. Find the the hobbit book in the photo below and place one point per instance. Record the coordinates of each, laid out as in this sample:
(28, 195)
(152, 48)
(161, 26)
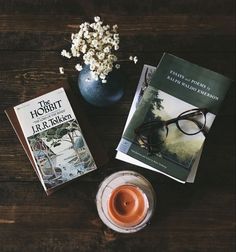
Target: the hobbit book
(53, 139)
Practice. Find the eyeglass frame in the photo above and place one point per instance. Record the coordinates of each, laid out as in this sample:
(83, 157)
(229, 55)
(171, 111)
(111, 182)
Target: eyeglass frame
(193, 112)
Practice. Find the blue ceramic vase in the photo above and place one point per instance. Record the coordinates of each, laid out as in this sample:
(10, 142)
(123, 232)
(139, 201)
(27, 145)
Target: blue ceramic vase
(101, 94)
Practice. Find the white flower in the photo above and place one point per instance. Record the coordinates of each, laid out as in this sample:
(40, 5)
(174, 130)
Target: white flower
(72, 36)
(80, 33)
(106, 49)
(97, 19)
(104, 81)
(115, 27)
(116, 47)
(92, 67)
(86, 34)
(74, 51)
(117, 66)
(94, 34)
(92, 25)
(78, 67)
(61, 70)
(110, 40)
(112, 57)
(135, 59)
(102, 76)
(83, 49)
(116, 36)
(101, 56)
(86, 62)
(94, 44)
(66, 54)
(104, 40)
(86, 56)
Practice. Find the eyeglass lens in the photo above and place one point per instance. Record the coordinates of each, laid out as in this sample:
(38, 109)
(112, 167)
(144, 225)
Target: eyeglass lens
(191, 122)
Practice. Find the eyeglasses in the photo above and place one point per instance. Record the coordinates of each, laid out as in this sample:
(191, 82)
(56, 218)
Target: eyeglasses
(154, 133)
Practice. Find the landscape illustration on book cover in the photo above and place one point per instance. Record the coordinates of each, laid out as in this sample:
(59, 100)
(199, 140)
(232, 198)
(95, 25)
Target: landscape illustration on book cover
(173, 139)
(172, 120)
(54, 136)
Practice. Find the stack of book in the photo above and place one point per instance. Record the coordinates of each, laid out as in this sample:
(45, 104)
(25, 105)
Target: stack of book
(173, 109)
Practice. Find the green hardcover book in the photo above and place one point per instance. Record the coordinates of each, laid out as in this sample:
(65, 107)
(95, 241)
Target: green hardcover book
(171, 123)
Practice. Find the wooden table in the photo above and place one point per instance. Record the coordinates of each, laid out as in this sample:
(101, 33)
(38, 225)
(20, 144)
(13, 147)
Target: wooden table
(193, 217)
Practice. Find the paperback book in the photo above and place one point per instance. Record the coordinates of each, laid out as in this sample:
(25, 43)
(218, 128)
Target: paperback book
(53, 139)
(165, 132)
(143, 83)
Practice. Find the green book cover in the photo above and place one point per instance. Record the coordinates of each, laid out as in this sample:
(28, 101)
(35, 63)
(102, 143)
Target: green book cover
(174, 116)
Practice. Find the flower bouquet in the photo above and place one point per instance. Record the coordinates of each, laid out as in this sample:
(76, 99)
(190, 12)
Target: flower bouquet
(95, 45)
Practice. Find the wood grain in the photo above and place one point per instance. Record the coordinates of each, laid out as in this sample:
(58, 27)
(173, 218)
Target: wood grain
(182, 32)
(187, 218)
(198, 217)
(114, 7)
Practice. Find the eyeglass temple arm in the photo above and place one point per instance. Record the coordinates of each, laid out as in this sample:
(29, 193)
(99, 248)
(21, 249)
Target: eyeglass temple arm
(148, 124)
(204, 111)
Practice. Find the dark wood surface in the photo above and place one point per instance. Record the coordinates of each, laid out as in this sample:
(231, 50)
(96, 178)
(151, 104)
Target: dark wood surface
(195, 217)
